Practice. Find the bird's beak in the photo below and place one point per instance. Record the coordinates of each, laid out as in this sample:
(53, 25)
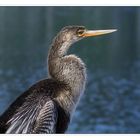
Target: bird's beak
(89, 33)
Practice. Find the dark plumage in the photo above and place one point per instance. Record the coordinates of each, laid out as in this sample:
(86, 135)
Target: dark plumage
(36, 97)
(47, 106)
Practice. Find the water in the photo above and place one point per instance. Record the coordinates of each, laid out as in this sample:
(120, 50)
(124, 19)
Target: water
(111, 100)
(110, 105)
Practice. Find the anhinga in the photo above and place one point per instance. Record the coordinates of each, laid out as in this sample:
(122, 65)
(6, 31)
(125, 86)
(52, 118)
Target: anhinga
(47, 106)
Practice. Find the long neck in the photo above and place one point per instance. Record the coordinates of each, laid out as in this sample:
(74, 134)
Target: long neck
(62, 67)
(57, 52)
(58, 48)
(68, 69)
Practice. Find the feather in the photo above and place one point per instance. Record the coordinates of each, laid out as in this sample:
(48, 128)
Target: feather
(47, 119)
(33, 117)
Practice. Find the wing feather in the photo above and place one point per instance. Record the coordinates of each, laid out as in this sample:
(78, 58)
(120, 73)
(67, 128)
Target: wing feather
(47, 119)
(33, 117)
(22, 121)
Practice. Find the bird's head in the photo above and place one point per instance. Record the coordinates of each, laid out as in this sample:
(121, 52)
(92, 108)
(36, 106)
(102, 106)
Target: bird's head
(73, 34)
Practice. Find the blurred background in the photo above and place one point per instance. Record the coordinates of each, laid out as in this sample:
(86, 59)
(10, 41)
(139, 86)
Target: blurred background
(111, 103)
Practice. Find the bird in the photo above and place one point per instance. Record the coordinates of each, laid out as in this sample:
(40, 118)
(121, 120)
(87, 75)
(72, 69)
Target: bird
(48, 105)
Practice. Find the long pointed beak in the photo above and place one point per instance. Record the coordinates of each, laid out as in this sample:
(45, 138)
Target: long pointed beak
(89, 33)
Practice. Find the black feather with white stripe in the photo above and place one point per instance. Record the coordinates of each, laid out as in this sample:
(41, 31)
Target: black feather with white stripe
(38, 112)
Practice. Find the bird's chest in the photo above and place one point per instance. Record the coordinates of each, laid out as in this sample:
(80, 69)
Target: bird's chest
(69, 69)
(73, 69)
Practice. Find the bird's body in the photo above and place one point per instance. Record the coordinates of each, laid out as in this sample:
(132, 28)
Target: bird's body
(47, 106)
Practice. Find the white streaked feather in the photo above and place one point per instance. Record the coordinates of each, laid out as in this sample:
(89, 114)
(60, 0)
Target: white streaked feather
(21, 126)
(22, 120)
(43, 117)
(47, 118)
(25, 130)
(13, 128)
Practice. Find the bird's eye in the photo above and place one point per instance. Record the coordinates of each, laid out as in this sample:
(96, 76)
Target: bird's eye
(80, 32)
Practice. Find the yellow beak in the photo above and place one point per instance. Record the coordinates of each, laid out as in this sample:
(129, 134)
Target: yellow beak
(97, 32)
